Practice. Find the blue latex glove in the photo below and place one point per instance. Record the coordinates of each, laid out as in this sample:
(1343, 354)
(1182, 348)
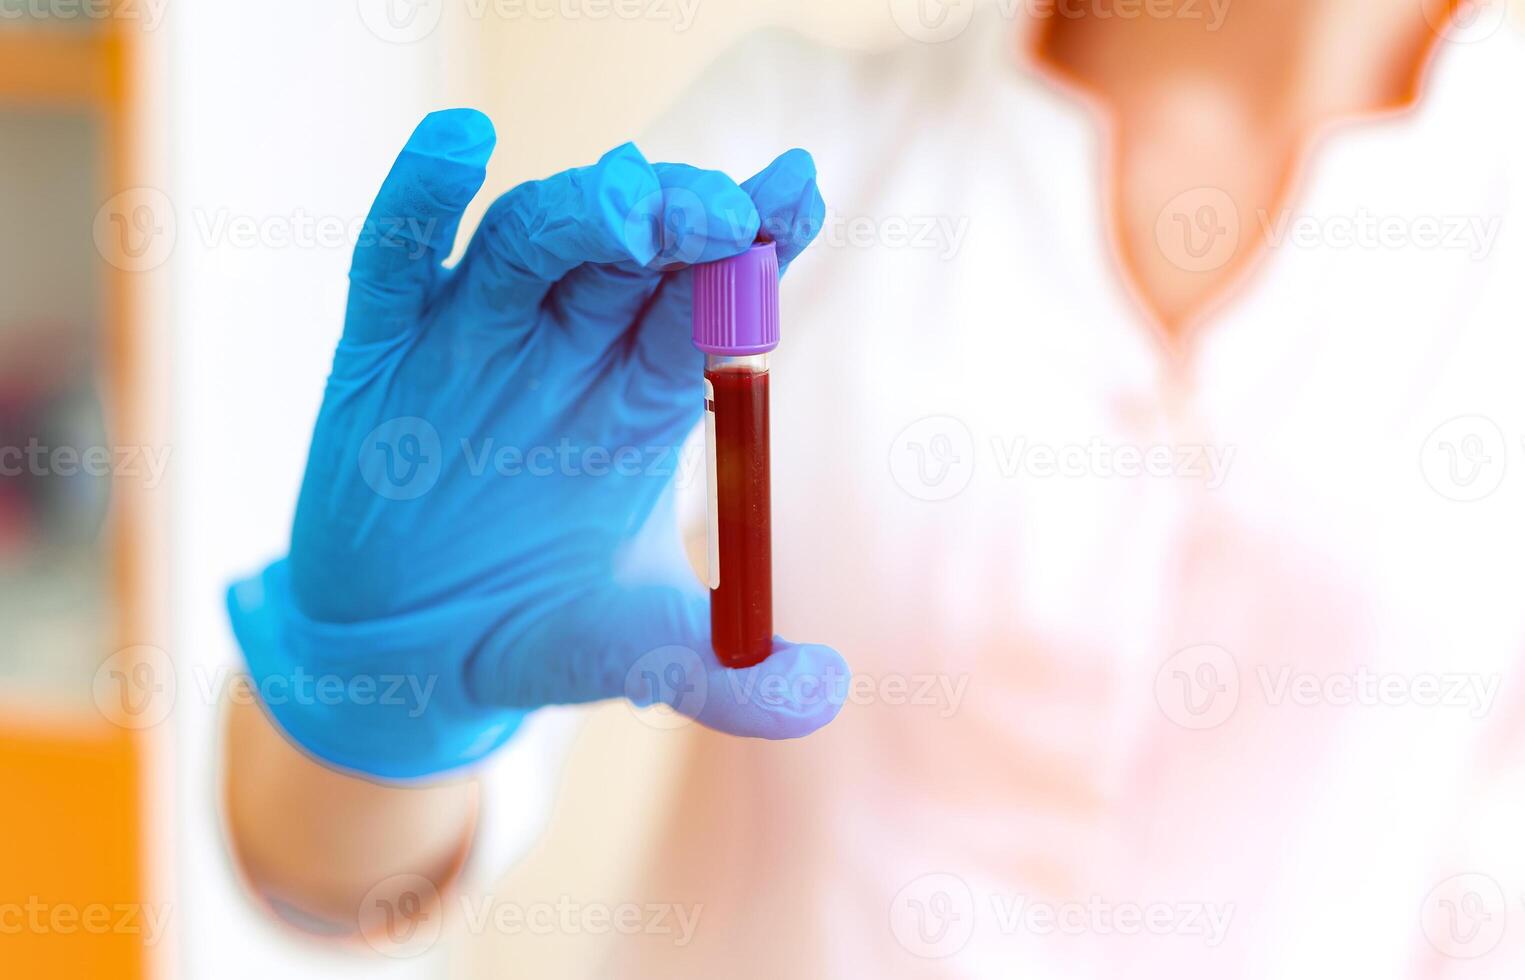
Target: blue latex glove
(486, 523)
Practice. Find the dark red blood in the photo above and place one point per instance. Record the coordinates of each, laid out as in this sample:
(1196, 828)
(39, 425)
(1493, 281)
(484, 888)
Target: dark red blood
(741, 610)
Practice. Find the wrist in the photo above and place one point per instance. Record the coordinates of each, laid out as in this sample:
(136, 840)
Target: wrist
(313, 843)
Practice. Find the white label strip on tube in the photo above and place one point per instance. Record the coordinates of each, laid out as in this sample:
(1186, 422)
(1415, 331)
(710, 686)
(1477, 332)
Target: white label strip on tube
(712, 483)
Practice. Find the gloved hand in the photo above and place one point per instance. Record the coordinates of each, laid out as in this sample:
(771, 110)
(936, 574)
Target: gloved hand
(486, 523)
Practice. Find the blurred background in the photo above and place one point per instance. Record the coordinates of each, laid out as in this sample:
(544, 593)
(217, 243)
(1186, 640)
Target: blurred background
(180, 184)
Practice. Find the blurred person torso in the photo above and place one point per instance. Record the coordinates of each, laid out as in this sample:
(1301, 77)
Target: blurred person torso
(1176, 656)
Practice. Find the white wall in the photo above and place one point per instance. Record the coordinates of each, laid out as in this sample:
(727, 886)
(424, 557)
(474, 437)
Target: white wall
(562, 90)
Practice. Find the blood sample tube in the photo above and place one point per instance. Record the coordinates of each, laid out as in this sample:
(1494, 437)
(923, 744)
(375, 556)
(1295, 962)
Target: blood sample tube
(736, 325)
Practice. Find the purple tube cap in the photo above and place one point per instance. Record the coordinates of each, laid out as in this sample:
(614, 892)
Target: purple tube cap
(736, 303)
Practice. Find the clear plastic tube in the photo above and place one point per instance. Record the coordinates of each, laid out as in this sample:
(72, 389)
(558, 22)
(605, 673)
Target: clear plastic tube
(736, 326)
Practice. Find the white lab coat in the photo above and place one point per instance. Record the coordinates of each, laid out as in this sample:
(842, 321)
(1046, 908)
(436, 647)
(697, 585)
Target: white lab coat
(1196, 666)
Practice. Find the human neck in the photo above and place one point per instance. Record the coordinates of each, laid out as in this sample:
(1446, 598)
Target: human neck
(1229, 110)
(1294, 62)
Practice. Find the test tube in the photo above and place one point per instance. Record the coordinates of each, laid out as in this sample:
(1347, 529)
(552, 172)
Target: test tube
(736, 326)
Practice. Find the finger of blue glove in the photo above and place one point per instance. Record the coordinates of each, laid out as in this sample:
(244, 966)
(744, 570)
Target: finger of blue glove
(797, 690)
(790, 210)
(789, 203)
(412, 225)
(703, 216)
(538, 232)
(650, 644)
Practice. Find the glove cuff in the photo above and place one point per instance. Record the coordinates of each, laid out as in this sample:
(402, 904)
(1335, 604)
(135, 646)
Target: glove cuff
(381, 698)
